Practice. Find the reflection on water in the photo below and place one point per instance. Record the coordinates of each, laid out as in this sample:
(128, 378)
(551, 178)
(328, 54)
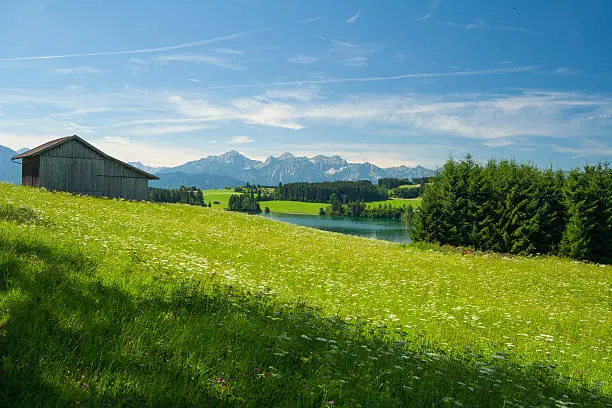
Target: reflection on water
(377, 228)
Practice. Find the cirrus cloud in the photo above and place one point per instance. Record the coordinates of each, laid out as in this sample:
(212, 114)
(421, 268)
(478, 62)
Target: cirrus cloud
(241, 140)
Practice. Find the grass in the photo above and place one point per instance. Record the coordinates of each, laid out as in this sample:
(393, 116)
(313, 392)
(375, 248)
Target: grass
(293, 207)
(107, 302)
(398, 202)
(297, 207)
(222, 196)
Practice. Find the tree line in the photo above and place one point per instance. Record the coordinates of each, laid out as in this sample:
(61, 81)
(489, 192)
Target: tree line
(389, 182)
(407, 192)
(362, 209)
(246, 202)
(261, 193)
(345, 191)
(393, 182)
(516, 208)
(182, 195)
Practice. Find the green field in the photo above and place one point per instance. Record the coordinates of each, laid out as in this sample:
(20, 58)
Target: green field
(297, 207)
(222, 196)
(399, 202)
(293, 207)
(113, 303)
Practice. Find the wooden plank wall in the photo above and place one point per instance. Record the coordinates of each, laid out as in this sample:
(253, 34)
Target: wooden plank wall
(74, 167)
(121, 181)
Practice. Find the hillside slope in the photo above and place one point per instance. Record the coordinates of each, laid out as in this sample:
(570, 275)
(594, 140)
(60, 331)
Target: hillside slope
(108, 302)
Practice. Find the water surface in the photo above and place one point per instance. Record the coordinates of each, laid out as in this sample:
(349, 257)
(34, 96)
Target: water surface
(377, 228)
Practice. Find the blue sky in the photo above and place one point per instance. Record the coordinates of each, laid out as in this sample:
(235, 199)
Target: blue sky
(390, 82)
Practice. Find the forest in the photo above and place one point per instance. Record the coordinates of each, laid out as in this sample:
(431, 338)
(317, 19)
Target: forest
(246, 202)
(390, 183)
(407, 192)
(516, 208)
(261, 193)
(345, 191)
(182, 195)
(361, 209)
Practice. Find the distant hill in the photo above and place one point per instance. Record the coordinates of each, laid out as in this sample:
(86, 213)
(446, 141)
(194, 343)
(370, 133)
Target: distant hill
(9, 172)
(203, 181)
(148, 169)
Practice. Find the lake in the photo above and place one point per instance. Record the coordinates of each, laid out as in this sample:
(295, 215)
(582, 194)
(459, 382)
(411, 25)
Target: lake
(377, 228)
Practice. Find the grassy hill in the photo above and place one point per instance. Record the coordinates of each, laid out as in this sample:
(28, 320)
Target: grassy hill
(114, 303)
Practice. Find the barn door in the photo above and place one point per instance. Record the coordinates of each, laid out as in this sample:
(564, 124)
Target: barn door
(30, 172)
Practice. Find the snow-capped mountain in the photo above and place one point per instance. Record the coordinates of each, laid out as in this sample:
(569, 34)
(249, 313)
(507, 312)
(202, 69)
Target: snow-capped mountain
(288, 168)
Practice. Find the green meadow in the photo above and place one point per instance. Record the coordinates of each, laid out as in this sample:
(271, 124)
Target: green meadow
(293, 207)
(297, 207)
(222, 196)
(115, 303)
(398, 202)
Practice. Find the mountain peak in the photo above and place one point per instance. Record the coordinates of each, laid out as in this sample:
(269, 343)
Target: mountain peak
(286, 156)
(232, 153)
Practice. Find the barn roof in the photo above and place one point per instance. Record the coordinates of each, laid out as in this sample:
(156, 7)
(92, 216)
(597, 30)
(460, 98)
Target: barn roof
(57, 142)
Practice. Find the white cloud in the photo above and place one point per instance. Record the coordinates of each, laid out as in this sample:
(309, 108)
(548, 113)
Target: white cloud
(353, 18)
(142, 50)
(498, 143)
(76, 128)
(28, 140)
(343, 51)
(250, 111)
(147, 152)
(273, 114)
(424, 17)
(241, 140)
(565, 71)
(493, 119)
(313, 19)
(432, 7)
(588, 148)
(356, 61)
(485, 120)
(303, 59)
(165, 130)
(200, 59)
(300, 94)
(83, 69)
(494, 71)
(156, 122)
(483, 25)
(78, 112)
(229, 51)
(116, 140)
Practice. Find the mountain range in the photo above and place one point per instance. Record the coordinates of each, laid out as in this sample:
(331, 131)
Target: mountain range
(286, 168)
(233, 168)
(9, 171)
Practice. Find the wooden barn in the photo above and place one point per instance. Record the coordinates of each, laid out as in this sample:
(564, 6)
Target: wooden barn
(73, 165)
